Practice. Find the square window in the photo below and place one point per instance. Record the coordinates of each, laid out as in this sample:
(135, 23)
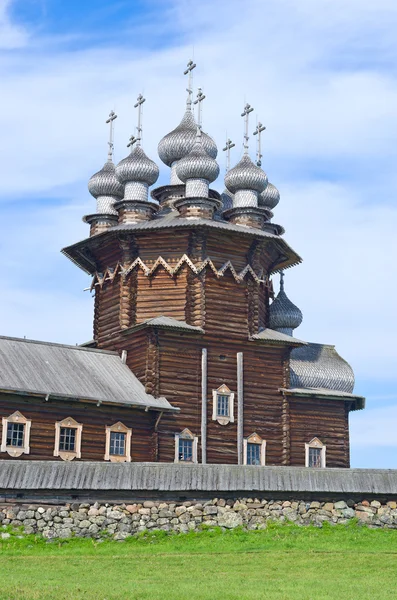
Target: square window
(185, 450)
(15, 434)
(117, 443)
(67, 439)
(253, 454)
(315, 457)
(222, 405)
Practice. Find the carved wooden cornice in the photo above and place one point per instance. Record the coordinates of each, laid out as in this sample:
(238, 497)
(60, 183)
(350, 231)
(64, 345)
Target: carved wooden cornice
(172, 270)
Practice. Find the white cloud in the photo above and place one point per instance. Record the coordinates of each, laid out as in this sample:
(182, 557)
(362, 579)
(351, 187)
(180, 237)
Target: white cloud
(11, 35)
(375, 428)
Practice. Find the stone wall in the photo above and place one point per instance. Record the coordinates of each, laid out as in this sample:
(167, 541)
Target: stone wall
(120, 521)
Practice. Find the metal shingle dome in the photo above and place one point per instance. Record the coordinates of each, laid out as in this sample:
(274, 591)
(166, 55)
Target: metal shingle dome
(284, 315)
(137, 167)
(270, 196)
(105, 182)
(245, 176)
(198, 164)
(179, 142)
(320, 366)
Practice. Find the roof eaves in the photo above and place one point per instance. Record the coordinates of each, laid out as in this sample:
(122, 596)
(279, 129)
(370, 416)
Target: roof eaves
(182, 328)
(322, 393)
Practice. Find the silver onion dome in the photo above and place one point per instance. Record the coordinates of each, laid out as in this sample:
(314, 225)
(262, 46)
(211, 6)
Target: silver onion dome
(245, 176)
(270, 196)
(284, 315)
(105, 182)
(137, 167)
(179, 142)
(198, 164)
(320, 366)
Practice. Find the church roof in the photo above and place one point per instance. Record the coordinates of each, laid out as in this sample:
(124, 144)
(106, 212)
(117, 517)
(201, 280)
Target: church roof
(276, 337)
(166, 323)
(30, 367)
(320, 366)
(78, 254)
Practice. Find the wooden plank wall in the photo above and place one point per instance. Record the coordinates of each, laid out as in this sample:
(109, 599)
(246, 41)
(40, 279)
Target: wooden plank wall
(94, 419)
(322, 418)
(161, 294)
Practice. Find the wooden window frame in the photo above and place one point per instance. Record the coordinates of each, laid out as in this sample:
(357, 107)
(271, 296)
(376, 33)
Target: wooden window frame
(69, 422)
(222, 419)
(16, 451)
(316, 443)
(254, 438)
(118, 427)
(187, 435)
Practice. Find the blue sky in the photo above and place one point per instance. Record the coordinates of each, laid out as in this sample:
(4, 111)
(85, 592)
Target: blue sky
(321, 75)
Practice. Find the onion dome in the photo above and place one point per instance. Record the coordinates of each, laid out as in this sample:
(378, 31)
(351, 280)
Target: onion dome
(320, 366)
(245, 176)
(198, 164)
(105, 183)
(137, 167)
(270, 196)
(284, 316)
(179, 142)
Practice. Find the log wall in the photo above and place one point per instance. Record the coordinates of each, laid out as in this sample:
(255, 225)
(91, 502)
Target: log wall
(94, 420)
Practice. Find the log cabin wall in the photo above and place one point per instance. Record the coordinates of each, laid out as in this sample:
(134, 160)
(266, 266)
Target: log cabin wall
(94, 420)
(322, 418)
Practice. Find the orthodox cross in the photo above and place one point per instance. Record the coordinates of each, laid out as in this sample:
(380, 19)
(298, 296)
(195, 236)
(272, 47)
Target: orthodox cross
(112, 117)
(247, 110)
(139, 101)
(200, 98)
(229, 145)
(258, 131)
(131, 142)
(190, 66)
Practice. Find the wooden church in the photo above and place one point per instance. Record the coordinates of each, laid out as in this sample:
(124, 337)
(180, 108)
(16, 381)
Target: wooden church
(193, 359)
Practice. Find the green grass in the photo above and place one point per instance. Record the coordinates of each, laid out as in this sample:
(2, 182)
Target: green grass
(281, 563)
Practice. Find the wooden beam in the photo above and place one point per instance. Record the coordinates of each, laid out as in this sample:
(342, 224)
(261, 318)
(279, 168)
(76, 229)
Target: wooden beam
(240, 407)
(204, 406)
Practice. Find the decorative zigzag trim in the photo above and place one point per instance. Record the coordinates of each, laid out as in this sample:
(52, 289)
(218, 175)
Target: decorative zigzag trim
(110, 274)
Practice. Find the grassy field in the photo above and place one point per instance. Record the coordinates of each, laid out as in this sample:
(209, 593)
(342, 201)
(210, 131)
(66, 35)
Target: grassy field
(281, 563)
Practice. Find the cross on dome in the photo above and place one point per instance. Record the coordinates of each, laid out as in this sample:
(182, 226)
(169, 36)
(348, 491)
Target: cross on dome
(247, 110)
(258, 131)
(112, 117)
(200, 98)
(133, 140)
(139, 102)
(190, 66)
(228, 146)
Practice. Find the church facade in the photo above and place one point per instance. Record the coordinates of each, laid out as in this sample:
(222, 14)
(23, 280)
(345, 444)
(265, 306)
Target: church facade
(193, 357)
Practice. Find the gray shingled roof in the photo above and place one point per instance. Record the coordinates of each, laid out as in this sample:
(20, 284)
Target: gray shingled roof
(166, 323)
(77, 252)
(320, 366)
(275, 337)
(41, 368)
(165, 477)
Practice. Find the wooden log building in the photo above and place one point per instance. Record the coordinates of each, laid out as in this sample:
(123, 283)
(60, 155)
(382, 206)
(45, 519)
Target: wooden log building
(193, 359)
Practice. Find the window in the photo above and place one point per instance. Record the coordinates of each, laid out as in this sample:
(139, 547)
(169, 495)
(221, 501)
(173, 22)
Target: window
(16, 435)
(68, 439)
(315, 454)
(186, 447)
(223, 405)
(254, 450)
(118, 443)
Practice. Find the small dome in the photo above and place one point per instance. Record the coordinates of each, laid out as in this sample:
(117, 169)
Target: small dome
(137, 167)
(245, 176)
(227, 199)
(178, 143)
(198, 164)
(270, 196)
(284, 316)
(105, 183)
(320, 366)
